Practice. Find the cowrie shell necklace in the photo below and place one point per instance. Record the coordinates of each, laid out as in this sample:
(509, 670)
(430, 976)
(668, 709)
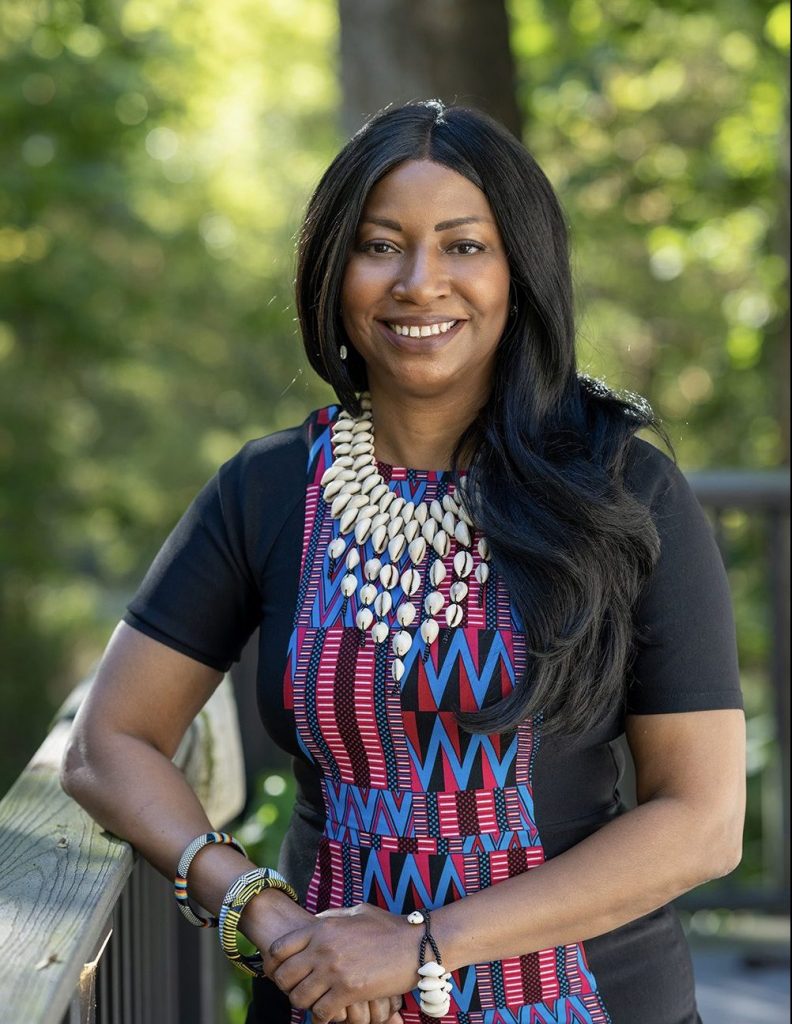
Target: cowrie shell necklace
(401, 533)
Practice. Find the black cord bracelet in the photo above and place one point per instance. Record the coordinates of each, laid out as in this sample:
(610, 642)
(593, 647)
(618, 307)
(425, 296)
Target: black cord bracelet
(428, 938)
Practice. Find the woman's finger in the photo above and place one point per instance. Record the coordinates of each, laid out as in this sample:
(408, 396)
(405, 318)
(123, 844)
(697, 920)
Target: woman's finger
(291, 973)
(380, 1010)
(287, 945)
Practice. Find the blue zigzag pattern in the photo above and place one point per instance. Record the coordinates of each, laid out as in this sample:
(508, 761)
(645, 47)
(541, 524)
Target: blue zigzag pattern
(478, 746)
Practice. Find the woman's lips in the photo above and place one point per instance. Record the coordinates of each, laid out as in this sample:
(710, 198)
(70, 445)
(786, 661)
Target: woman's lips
(431, 344)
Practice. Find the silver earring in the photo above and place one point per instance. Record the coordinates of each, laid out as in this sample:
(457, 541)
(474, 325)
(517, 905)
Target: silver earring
(342, 351)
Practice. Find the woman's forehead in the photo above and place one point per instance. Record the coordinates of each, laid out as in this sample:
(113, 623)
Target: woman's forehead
(424, 186)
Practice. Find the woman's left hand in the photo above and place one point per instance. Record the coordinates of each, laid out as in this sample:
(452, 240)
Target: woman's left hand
(344, 956)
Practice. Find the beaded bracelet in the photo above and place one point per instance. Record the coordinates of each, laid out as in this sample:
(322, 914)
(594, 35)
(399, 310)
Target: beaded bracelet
(435, 982)
(240, 893)
(180, 882)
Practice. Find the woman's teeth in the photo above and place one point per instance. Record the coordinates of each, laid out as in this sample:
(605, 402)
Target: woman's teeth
(422, 332)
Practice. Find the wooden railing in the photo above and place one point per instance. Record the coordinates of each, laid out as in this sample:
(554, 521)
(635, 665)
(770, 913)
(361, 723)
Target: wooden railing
(88, 931)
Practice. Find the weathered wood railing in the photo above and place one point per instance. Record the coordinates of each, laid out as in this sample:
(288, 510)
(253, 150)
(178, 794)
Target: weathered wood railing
(87, 930)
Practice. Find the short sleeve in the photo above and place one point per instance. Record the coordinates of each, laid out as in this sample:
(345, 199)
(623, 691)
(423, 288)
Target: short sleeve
(200, 596)
(685, 644)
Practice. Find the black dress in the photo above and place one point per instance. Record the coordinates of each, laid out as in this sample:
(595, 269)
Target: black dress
(398, 807)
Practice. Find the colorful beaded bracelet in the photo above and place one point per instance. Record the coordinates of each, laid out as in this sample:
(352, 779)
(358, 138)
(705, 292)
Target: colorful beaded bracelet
(180, 882)
(240, 893)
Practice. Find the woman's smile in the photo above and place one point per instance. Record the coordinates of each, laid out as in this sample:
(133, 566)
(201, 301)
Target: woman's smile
(426, 289)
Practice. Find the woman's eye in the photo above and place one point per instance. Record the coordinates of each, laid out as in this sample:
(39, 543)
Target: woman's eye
(466, 248)
(379, 248)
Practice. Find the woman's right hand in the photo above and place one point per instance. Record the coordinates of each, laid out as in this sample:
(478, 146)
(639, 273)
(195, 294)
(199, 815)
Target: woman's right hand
(272, 914)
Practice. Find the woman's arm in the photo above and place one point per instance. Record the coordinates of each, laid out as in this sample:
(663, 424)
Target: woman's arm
(118, 766)
(687, 829)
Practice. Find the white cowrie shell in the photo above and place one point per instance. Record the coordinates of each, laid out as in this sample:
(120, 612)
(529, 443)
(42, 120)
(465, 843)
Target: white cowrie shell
(359, 501)
(408, 510)
(449, 522)
(380, 519)
(368, 486)
(339, 504)
(454, 615)
(348, 585)
(484, 548)
(378, 492)
(367, 511)
(348, 520)
(367, 593)
(362, 448)
(436, 510)
(402, 642)
(431, 970)
(482, 572)
(397, 669)
(417, 550)
(343, 436)
(389, 576)
(330, 474)
(410, 581)
(433, 996)
(386, 499)
(396, 547)
(365, 471)
(428, 530)
(344, 461)
(361, 427)
(458, 591)
(379, 539)
(353, 558)
(462, 534)
(411, 530)
(372, 568)
(383, 603)
(437, 573)
(449, 504)
(336, 547)
(395, 525)
(429, 630)
(430, 985)
(436, 1011)
(364, 618)
(441, 543)
(416, 917)
(464, 515)
(433, 602)
(379, 632)
(343, 423)
(362, 527)
(332, 489)
(359, 461)
(347, 474)
(349, 487)
(342, 449)
(463, 563)
(405, 614)
(421, 512)
(397, 506)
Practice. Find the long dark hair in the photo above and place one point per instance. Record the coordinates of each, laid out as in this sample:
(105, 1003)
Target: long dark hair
(545, 482)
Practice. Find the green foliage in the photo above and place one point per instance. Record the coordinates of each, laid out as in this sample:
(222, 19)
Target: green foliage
(154, 162)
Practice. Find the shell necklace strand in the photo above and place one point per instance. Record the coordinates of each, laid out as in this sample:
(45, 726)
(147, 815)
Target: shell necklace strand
(369, 510)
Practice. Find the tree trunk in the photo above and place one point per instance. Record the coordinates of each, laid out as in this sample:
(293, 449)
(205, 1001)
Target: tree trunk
(454, 50)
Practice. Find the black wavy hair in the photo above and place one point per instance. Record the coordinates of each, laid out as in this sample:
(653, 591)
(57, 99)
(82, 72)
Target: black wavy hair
(545, 482)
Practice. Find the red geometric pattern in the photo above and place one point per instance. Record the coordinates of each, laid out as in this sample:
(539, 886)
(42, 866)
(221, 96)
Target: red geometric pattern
(419, 812)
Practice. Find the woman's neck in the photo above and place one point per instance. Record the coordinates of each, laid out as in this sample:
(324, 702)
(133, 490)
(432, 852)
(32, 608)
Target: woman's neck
(417, 432)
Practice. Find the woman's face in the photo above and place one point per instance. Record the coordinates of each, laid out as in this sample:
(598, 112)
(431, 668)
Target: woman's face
(425, 295)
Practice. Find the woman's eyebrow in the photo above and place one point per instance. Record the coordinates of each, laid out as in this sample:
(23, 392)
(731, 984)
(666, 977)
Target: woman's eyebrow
(444, 225)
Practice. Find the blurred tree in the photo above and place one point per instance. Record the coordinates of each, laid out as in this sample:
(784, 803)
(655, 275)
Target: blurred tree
(393, 51)
(154, 161)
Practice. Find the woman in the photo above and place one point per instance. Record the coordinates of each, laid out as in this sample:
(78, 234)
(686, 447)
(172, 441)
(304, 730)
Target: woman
(471, 578)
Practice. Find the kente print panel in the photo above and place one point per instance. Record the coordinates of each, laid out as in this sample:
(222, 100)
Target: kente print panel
(418, 812)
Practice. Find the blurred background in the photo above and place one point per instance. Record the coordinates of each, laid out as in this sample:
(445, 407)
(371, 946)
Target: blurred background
(155, 159)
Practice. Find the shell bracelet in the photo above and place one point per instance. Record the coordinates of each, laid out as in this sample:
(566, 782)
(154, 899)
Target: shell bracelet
(404, 531)
(435, 983)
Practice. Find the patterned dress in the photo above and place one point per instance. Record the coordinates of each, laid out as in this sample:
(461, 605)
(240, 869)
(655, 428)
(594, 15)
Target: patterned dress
(418, 812)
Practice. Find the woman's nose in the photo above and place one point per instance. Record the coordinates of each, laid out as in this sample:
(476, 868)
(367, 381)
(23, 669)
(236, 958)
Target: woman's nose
(421, 279)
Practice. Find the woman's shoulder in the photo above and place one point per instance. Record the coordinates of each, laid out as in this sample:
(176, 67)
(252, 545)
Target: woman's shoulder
(278, 455)
(648, 472)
